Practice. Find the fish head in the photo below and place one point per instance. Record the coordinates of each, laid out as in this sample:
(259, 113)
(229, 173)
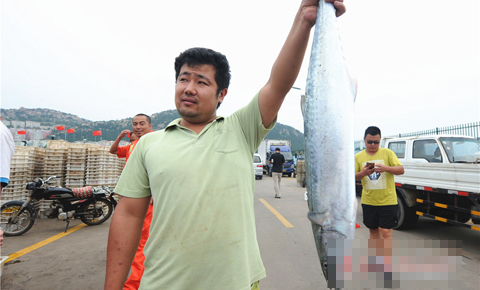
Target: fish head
(326, 237)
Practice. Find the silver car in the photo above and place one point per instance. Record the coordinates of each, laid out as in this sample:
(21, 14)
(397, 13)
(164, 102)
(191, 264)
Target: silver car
(258, 166)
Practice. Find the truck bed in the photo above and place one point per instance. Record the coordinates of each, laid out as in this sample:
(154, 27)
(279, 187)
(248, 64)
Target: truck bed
(456, 177)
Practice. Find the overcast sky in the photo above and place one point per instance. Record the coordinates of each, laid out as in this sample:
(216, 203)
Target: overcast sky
(417, 62)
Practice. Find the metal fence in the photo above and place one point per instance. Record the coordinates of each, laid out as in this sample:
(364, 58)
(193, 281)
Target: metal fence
(469, 129)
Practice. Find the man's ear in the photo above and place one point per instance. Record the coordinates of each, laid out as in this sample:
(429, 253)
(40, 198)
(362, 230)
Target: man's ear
(222, 95)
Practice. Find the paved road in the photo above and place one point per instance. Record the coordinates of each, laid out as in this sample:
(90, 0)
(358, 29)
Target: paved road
(77, 260)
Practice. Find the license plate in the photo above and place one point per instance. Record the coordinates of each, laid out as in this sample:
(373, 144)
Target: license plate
(284, 170)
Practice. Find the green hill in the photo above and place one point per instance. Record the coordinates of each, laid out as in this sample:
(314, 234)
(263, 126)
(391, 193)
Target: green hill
(111, 129)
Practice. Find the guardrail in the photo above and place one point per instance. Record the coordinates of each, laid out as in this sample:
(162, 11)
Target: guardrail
(469, 129)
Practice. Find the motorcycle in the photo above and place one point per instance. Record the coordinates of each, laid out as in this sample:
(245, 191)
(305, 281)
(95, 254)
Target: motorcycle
(91, 205)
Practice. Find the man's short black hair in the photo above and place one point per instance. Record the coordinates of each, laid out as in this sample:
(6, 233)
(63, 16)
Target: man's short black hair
(277, 149)
(148, 117)
(372, 130)
(199, 56)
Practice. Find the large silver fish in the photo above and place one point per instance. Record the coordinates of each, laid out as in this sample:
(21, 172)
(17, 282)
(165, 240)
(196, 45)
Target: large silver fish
(328, 109)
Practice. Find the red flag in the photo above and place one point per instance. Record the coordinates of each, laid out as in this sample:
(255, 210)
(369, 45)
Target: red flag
(70, 131)
(60, 128)
(97, 133)
(22, 132)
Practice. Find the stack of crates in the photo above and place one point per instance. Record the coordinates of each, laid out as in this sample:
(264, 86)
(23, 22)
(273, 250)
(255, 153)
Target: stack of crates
(25, 166)
(120, 165)
(76, 165)
(102, 167)
(56, 161)
(54, 165)
(301, 175)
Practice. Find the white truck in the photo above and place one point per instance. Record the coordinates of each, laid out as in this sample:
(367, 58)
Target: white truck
(267, 148)
(441, 180)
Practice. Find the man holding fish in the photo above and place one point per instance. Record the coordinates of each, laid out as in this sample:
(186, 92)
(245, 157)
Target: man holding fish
(202, 234)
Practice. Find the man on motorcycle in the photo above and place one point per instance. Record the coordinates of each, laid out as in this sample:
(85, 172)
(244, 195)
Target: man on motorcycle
(141, 125)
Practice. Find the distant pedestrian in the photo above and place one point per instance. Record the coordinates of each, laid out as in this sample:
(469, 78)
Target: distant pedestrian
(376, 167)
(7, 149)
(277, 160)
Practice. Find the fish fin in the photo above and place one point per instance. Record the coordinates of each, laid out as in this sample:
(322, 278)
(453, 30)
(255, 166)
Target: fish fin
(354, 88)
(302, 104)
(318, 218)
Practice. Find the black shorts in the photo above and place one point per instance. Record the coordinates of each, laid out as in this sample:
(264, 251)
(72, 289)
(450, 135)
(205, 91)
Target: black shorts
(383, 216)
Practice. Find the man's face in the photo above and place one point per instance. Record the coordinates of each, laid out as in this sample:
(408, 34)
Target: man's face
(140, 126)
(372, 143)
(196, 94)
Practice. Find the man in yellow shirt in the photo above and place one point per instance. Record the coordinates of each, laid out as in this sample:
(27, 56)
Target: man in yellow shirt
(376, 167)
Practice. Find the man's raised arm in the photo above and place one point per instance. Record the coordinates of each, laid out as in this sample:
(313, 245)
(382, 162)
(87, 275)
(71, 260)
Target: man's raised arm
(114, 147)
(287, 66)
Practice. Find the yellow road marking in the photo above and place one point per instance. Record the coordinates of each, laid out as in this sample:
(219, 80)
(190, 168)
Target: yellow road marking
(42, 243)
(277, 214)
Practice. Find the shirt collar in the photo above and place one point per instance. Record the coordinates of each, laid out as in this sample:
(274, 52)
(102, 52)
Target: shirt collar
(176, 122)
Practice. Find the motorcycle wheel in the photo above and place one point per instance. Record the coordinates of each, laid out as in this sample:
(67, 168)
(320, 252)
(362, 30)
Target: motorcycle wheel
(21, 225)
(104, 210)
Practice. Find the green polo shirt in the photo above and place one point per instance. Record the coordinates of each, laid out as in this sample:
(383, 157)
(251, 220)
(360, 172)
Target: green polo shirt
(202, 234)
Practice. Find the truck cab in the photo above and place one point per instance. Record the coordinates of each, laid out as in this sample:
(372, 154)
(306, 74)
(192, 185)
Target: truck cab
(289, 166)
(436, 149)
(267, 148)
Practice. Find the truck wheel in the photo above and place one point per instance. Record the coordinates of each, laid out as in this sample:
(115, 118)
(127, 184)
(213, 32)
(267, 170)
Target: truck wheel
(406, 216)
(358, 189)
(461, 217)
(476, 221)
(475, 218)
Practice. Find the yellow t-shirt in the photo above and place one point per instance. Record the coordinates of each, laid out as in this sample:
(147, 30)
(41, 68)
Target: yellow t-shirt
(203, 233)
(378, 188)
